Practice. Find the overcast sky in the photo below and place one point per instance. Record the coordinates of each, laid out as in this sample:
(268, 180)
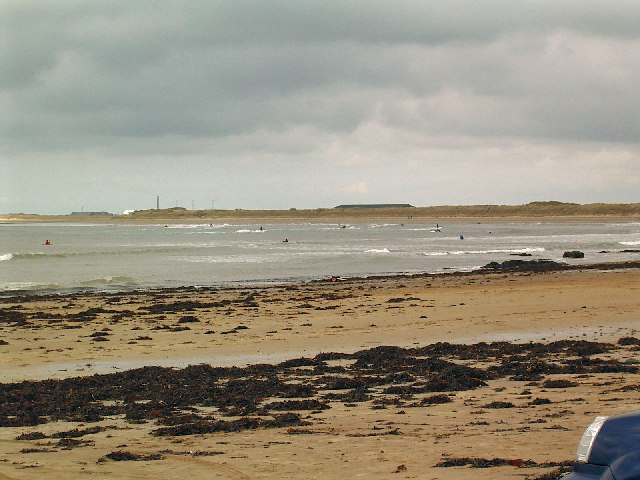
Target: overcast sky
(280, 104)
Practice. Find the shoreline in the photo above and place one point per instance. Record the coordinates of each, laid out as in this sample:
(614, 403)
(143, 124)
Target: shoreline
(194, 220)
(537, 266)
(162, 310)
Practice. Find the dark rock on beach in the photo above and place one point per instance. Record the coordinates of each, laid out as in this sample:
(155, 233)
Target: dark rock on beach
(573, 254)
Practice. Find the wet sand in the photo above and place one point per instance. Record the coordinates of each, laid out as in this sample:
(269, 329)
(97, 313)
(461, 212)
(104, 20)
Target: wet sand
(366, 411)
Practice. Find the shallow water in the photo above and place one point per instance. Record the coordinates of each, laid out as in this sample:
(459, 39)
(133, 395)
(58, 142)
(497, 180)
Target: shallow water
(122, 257)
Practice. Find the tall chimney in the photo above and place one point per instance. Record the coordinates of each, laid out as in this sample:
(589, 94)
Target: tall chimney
(158, 202)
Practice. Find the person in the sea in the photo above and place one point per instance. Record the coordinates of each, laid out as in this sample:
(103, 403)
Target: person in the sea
(286, 240)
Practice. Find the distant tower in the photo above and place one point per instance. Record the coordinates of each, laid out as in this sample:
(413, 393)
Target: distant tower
(157, 202)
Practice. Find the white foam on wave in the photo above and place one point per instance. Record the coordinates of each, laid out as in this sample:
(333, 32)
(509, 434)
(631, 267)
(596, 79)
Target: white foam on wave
(377, 250)
(483, 252)
(17, 286)
(187, 225)
(244, 230)
(109, 280)
(630, 243)
(10, 286)
(126, 250)
(233, 259)
(199, 225)
(6, 257)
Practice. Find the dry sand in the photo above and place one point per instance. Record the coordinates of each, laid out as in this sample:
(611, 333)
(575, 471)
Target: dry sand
(384, 436)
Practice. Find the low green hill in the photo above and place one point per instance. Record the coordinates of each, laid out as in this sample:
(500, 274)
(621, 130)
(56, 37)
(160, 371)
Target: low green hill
(550, 209)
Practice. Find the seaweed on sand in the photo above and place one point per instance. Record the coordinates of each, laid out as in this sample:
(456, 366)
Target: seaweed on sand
(164, 395)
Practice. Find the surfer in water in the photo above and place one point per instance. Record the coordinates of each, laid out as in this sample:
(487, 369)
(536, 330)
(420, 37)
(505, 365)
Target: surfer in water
(47, 242)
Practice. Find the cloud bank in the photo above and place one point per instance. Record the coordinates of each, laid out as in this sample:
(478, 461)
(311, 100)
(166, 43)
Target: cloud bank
(278, 104)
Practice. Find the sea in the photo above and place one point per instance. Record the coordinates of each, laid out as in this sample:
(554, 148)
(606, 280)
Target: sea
(117, 257)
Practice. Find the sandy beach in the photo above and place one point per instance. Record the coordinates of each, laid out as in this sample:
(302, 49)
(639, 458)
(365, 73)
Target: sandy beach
(559, 347)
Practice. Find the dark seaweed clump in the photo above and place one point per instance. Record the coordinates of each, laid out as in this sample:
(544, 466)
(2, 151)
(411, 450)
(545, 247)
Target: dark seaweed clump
(498, 462)
(264, 396)
(124, 456)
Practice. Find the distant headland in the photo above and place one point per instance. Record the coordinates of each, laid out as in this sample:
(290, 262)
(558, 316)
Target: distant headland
(540, 209)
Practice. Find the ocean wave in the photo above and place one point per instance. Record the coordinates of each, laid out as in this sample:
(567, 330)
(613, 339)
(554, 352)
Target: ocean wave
(377, 250)
(244, 230)
(188, 226)
(18, 286)
(198, 225)
(109, 280)
(630, 243)
(483, 252)
(234, 259)
(121, 251)
(17, 256)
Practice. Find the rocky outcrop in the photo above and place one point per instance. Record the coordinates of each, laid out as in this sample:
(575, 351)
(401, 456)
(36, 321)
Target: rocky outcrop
(573, 254)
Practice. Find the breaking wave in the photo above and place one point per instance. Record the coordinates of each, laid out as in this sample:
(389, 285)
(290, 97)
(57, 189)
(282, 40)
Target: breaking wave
(124, 251)
(377, 250)
(106, 282)
(109, 280)
(483, 252)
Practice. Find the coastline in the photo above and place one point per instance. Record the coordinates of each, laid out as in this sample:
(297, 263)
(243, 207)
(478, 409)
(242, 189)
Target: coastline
(333, 302)
(533, 211)
(57, 337)
(121, 220)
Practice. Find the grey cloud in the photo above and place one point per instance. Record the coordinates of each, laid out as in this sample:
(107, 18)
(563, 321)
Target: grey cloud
(316, 81)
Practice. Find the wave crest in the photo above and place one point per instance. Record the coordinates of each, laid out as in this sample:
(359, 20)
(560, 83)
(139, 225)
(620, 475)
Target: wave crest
(377, 250)
(483, 252)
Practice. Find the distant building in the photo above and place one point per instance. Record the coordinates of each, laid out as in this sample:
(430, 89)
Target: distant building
(376, 205)
(128, 212)
(85, 214)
